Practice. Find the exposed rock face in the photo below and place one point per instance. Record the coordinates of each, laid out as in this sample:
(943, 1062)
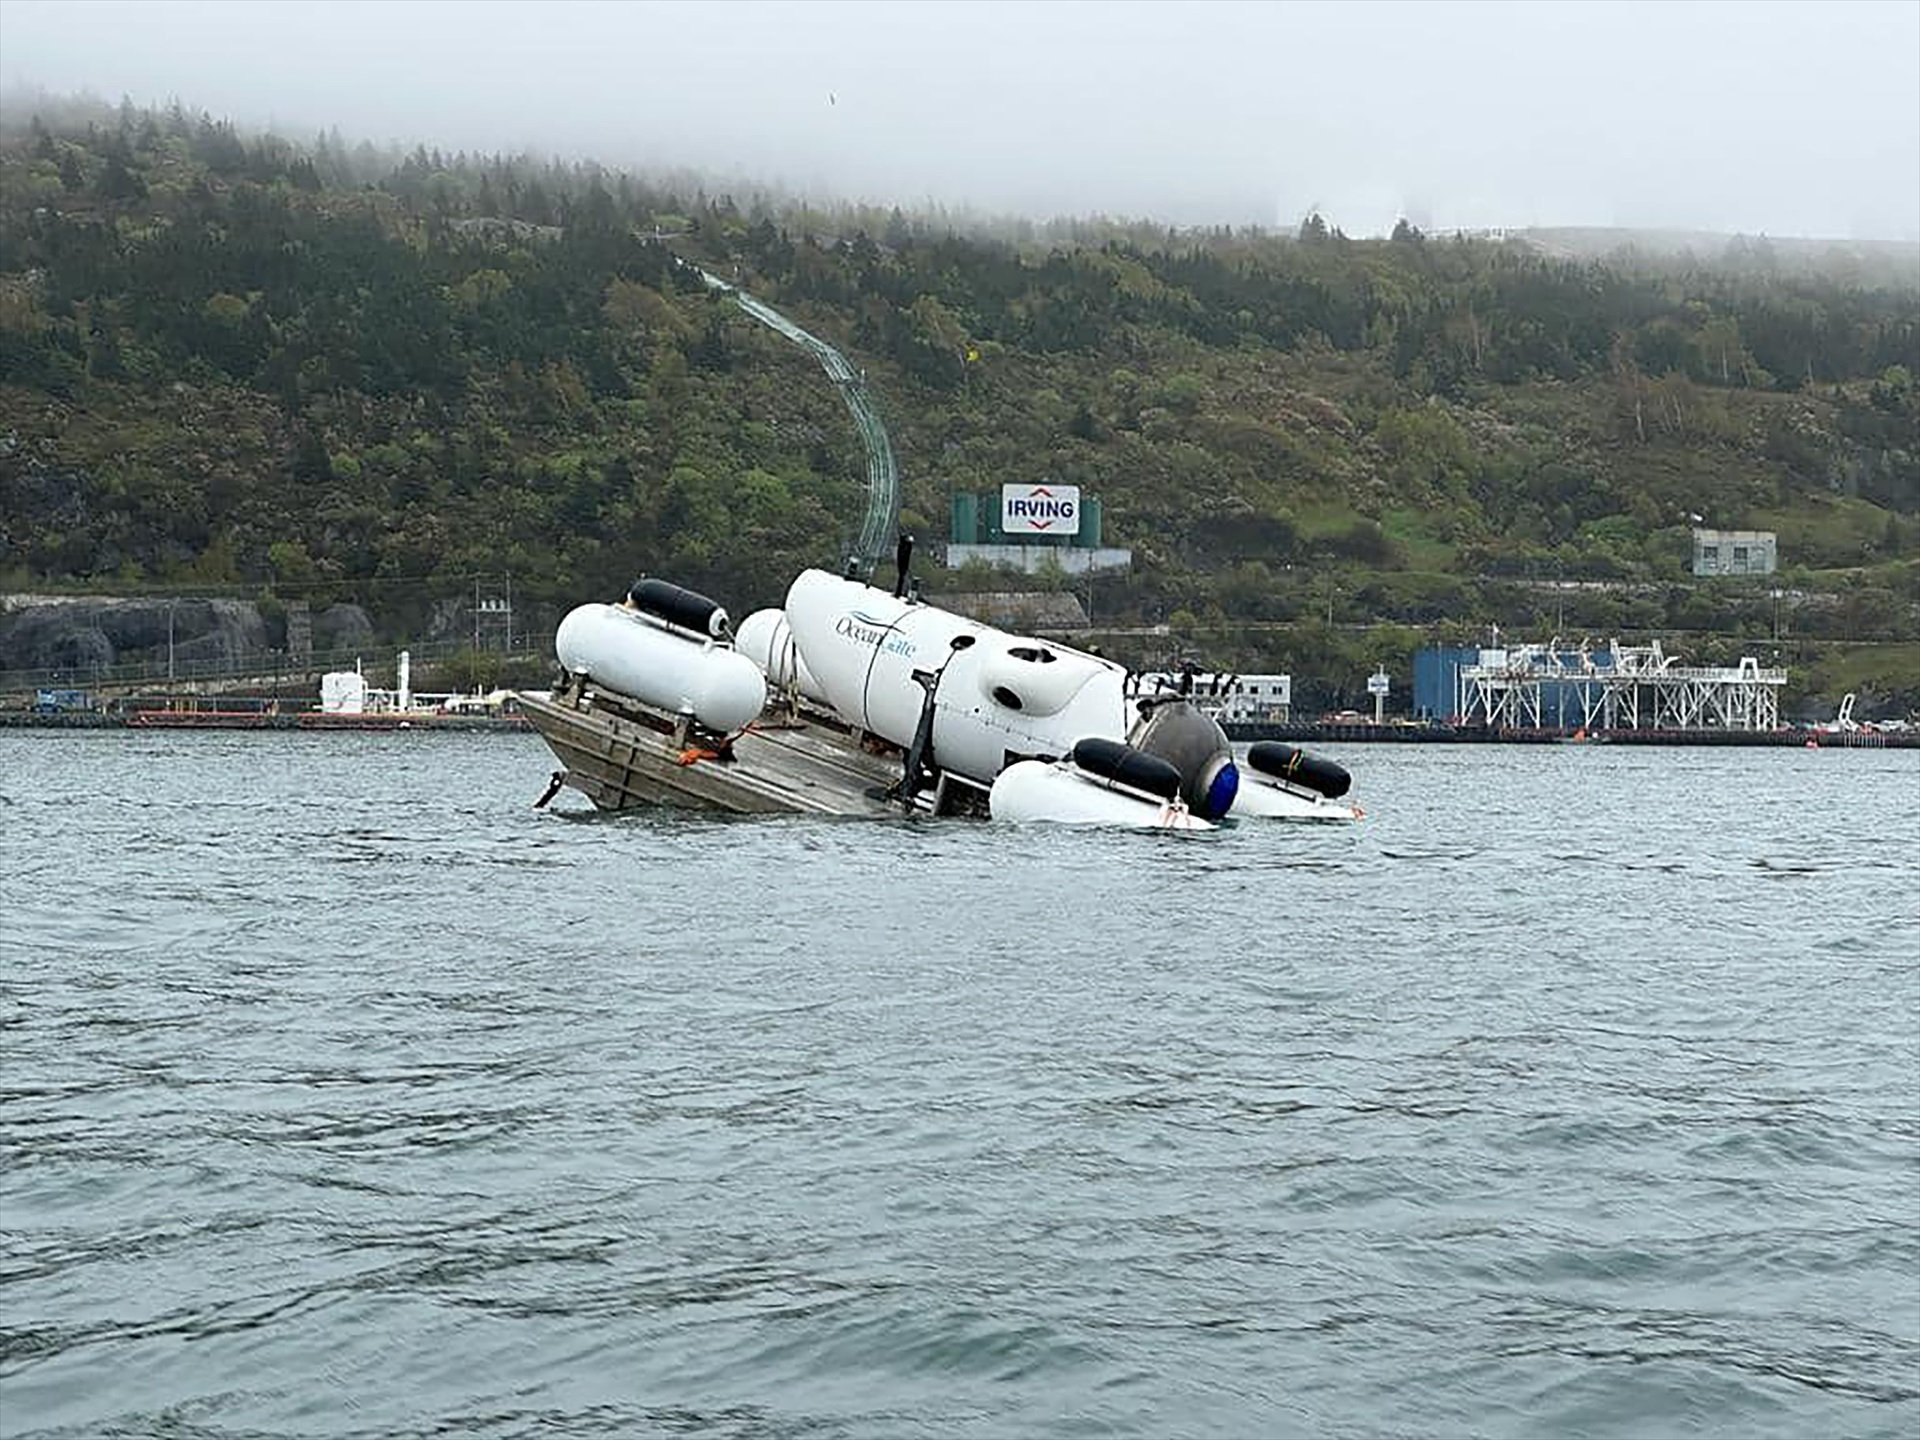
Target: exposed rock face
(1020, 611)
(81, 634)
(341, 627)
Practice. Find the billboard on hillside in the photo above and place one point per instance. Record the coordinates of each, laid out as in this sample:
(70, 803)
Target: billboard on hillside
(1040, 510)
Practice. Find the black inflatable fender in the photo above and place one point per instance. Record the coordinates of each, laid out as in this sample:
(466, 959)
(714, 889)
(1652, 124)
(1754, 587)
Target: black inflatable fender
(679, 607)
(1297, 767)
(1124, 765)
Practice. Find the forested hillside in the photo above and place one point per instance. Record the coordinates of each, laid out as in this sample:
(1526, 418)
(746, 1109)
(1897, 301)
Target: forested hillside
(314, 370)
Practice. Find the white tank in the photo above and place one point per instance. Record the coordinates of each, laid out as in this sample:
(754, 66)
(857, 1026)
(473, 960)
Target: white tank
(1061, 794)
(633, 655)
(766, 639)
(1001, 697)
(343, 692)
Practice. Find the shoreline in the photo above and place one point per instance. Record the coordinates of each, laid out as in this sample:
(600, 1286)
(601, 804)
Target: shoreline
(1313, 734)
(307, 721)
(1321, 734)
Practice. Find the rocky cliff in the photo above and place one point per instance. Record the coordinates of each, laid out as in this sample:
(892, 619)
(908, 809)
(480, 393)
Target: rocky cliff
(40, 632)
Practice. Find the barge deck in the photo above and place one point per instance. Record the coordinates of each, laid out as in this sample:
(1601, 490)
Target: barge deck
(621, 755)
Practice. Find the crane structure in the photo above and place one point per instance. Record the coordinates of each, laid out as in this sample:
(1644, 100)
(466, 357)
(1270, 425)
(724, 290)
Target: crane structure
(883, 476)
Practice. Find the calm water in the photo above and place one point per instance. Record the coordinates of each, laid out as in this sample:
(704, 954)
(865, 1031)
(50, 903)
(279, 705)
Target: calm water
(1577, 1092)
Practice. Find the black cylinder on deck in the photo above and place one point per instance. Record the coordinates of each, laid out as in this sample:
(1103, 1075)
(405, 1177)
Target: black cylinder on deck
(680, 607)
(1124, 765)
(1297, 767)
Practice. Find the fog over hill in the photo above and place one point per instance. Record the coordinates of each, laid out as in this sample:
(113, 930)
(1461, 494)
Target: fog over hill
(1786, 119)
(1894, 263)
(1883, 261)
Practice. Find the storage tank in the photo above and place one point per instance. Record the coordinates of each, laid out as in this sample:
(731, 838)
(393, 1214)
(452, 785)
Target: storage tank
(343, 692)
(965, 529)
(766, 639)
(1090, 522)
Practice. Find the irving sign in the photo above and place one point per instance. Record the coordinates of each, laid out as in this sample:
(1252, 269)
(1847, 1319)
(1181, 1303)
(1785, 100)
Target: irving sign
(1039, 510)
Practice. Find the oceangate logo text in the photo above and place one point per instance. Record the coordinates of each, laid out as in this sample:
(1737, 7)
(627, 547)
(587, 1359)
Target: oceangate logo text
(869, 630)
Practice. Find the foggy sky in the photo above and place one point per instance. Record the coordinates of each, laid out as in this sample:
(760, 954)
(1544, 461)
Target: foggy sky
(1783, 118)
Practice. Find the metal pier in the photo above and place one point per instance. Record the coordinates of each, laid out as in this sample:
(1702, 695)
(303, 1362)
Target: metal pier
(1628, 687)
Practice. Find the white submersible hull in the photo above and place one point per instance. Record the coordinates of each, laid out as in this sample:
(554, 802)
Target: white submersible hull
(995, 698)
(884, 702)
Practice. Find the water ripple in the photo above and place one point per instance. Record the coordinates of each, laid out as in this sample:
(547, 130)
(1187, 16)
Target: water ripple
(1546, 1101)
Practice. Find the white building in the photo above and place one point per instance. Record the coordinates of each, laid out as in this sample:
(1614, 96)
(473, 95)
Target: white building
(1230, 699)
(1034, 559)
(1734, 552)
(343, 692)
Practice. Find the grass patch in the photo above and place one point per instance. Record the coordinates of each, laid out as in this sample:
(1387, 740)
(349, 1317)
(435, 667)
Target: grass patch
(1827, 532)
(1424, 550)
(1877, 667)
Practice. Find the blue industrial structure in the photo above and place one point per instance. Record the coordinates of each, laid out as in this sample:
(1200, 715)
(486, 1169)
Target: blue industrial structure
(1439, 695)
(1436, 680)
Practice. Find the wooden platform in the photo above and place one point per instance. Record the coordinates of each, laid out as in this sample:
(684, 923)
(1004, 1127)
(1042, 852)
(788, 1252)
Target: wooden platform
(620, 755)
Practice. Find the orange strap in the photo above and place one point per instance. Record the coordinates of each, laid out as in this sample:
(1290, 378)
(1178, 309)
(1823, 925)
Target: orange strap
(700, 752)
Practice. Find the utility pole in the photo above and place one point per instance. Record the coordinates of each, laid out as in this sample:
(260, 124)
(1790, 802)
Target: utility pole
(493, 612)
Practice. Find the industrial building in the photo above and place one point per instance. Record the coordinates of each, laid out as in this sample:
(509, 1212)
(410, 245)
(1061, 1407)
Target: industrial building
(1734, 552)
(1632, 687)
(1230, 699)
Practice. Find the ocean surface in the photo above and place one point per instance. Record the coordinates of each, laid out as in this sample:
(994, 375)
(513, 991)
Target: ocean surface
(1575, 1092)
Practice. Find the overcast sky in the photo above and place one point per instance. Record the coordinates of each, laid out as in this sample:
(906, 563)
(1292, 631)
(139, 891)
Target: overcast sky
(1783, 118)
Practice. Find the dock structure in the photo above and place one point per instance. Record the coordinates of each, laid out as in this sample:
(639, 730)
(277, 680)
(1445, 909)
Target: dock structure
(1626, 687)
